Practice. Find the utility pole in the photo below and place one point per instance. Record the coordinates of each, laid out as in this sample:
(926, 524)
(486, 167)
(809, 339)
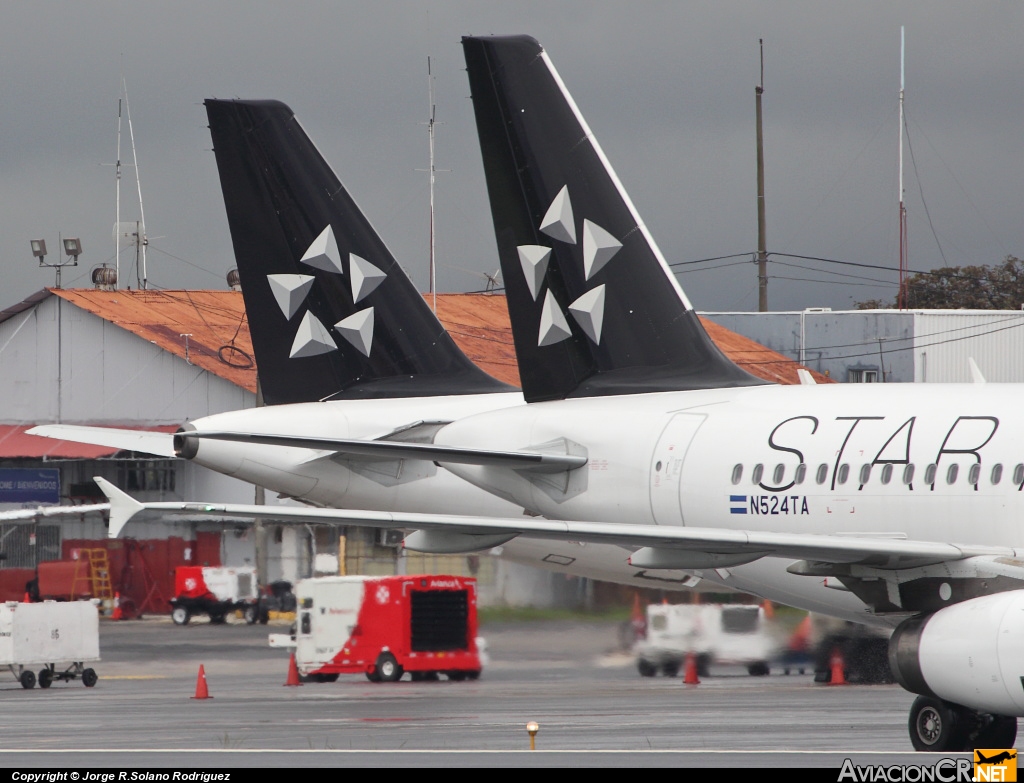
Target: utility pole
(762, 229)
(901, 296)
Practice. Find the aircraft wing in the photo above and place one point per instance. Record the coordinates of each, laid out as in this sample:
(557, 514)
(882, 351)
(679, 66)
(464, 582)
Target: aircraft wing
(160, 444)
(536, 462)
(657, 546)
(28, 516)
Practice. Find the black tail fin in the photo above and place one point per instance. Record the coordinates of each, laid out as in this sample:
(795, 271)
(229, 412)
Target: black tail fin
(594, 308)
(331, 313)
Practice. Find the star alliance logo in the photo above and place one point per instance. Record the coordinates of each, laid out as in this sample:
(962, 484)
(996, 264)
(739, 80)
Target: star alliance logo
(599, 247)
(312, 338)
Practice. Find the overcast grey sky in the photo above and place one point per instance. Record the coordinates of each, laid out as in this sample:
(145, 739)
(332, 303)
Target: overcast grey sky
(667, 87)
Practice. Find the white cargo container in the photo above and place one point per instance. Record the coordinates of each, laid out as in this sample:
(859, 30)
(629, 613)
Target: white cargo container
(59, 637)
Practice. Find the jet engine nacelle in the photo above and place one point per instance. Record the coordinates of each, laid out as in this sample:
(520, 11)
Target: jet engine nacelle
(970, 653)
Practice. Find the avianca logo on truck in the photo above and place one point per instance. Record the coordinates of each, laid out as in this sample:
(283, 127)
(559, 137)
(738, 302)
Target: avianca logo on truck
(445, 583)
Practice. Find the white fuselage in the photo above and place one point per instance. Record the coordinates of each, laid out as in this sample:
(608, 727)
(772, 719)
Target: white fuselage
(725, 458)
(729, 458)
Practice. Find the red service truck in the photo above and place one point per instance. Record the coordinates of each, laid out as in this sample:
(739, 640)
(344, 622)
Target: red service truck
(385, 626)
(215, 592)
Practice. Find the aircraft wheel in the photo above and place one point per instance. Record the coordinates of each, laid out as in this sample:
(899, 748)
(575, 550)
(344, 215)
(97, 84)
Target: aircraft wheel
(45, 678)
(180, 615)
(936, 726)
(28, 679)
(389, 669)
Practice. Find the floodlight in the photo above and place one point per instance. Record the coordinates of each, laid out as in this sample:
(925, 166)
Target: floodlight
(73, 246)
(38, 248)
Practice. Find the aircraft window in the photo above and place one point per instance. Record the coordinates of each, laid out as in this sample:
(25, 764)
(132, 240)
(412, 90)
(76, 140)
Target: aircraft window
(908, 474)
(974, 474)
(844, 473)
(758, 472)
(822, 473)
(865, 473)
(780, 473)
(801, 473)
(886, 472)
(657, 466)
(1018, 474)
(737, 473)
(929, 473)
(952, 473)
(997, 473)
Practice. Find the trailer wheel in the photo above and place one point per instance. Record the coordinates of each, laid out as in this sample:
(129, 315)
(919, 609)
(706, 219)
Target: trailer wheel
(89, 678)
(28, 679)
(218, 618)
(251, 614)
(389, 669)
(180, 615)
(45, 678)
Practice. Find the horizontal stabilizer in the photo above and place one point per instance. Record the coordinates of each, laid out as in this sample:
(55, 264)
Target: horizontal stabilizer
(388, 449)
(160, 444)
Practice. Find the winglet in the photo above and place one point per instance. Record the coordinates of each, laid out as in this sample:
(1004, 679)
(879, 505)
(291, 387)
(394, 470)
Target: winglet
(976, 376)
(806, 379)
(122, 506)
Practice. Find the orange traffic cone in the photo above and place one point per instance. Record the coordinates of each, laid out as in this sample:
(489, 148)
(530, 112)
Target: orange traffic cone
(690, 673)
(117, 613)
(638, 619)
(27, 599)
(293, 672)
(202, 692)
(838, 669)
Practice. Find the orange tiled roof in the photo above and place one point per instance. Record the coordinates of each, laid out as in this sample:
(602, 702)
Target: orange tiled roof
(755, 358)
(220, 341)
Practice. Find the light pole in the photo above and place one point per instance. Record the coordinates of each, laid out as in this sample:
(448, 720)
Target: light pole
(72, 249)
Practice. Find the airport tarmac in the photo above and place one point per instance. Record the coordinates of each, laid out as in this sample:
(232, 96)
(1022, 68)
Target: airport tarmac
(592, 706)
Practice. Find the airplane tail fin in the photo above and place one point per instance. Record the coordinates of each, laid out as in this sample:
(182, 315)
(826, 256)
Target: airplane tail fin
(331, 313)
(595, 309)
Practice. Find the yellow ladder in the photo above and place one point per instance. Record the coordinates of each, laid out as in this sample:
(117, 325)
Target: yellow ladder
(99, 572)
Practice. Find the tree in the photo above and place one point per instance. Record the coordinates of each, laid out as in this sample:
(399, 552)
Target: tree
(984, 287)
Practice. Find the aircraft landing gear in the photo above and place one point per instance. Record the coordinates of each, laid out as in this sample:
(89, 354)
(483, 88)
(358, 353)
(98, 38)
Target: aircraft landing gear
(941, 727)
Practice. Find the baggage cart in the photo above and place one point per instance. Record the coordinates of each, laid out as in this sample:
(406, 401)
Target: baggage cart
(58, 637)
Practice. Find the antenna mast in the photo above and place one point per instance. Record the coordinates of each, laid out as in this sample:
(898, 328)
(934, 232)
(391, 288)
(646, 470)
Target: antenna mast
(430, 133)
(901, 298)
(117, 199)
(134, 231)
(140, 234)
(762, 230)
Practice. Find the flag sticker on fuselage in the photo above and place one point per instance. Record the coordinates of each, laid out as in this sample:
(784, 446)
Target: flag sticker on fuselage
(771, 505)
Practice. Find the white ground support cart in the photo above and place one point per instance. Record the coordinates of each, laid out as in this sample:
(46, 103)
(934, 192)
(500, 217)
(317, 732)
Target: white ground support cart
(59, 637)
